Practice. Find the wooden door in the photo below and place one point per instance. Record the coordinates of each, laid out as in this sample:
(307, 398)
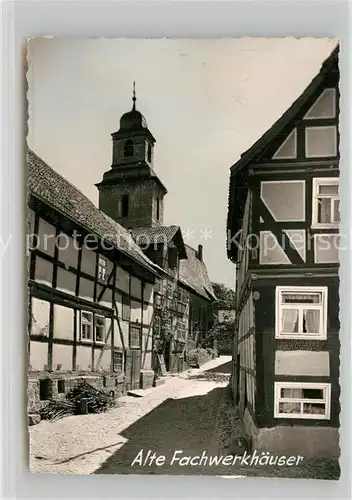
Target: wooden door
(133, 369)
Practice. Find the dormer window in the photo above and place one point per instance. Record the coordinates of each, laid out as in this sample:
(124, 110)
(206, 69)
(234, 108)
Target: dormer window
(128, 148)
(102, 269)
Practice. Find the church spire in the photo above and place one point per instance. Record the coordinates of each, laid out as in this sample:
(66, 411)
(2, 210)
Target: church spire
(134, 96)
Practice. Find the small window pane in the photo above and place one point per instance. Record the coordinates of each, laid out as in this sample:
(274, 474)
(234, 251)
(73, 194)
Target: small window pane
(336, 213)
(320, 142)
(311, 321)
(290, 321)
(118, 361)
(314, 408)
(86, 332)
(324, 210)
(102, 266)
(329, 189)
(99, 329)
(290, 407)
(313, 393)
(291, 393)
(135, 337)
(86, 316)
(297, 298)
(99, 321)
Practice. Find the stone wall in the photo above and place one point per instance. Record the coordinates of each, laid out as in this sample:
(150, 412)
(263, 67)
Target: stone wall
(142, 196)
(309, 442)
(59, 384)
(146, 379)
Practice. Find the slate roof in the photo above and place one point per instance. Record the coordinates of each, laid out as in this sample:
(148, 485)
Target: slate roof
(50, 187)
(194, 274)
(160, 234)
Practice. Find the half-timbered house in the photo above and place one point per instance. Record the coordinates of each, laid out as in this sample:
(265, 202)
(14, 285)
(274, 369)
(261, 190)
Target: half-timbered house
(90, 292)
(283, 236)
(164, 245)
(194, 275)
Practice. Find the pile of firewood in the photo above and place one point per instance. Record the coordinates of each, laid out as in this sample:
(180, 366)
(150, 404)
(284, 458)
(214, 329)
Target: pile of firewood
(83, 398)
(54, 410)
(85, 395)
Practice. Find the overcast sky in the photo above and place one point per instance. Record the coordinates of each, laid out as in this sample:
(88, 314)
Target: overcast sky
(205, 102)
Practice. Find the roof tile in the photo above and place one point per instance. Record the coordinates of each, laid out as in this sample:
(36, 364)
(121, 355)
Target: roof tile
(59, 193)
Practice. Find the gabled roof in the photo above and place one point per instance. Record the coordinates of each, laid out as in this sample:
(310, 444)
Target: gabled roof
(285, 119)
(154, 234)
(194, 274)
(53, 189)
(161, 234)
(239, 171)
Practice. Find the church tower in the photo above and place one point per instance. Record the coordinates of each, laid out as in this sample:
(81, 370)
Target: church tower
(130, 192)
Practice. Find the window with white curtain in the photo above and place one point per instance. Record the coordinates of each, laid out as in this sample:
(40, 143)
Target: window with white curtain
(301, 312)
(326, 203)
(302, 400)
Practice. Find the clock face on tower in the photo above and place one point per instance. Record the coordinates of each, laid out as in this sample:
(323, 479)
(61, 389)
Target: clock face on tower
(144, 122)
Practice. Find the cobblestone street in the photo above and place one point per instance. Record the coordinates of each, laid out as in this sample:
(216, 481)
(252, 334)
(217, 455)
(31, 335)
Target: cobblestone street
(179, 415)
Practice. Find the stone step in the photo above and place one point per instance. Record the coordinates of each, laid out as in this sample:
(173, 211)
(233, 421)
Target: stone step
(138, 393)
(158, 381)
(33, 418)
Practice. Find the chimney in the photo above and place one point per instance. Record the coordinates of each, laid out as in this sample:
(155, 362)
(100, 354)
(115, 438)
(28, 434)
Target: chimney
(200, 253)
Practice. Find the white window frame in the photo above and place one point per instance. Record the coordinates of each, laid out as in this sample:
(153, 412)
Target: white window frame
(302, 385)
(323, 155)
(117, 351)
(323, 181)
(306, 117)
(102, 268)
(132, 345)
(99, 316)
(85, 321)
(322, 334)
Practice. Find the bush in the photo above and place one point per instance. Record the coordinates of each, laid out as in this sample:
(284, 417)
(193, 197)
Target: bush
(199, 356)
(212, 352)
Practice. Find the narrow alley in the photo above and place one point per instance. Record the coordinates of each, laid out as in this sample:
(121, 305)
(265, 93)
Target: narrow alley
(179, 415)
